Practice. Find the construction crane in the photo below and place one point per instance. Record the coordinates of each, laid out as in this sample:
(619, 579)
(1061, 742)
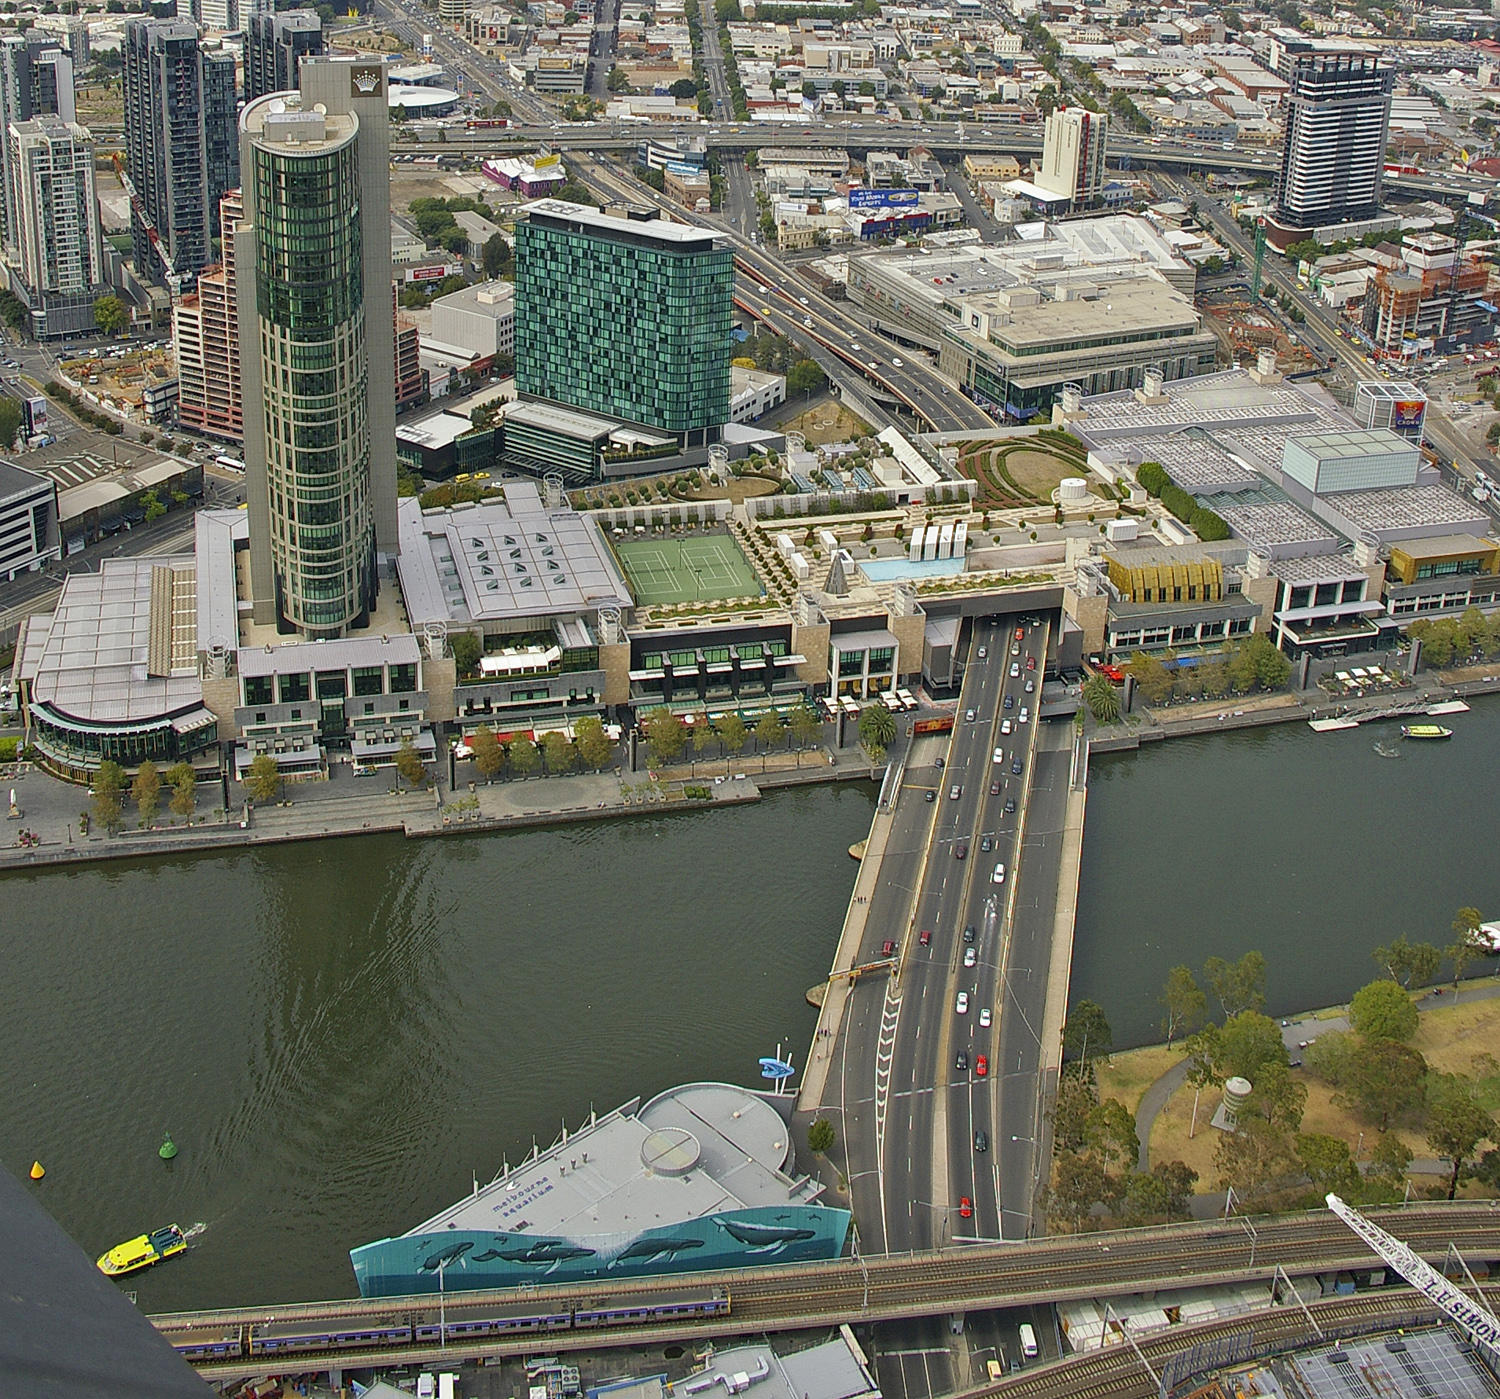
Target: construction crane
(1260, 257)
(138, 207)
(1474, 1317)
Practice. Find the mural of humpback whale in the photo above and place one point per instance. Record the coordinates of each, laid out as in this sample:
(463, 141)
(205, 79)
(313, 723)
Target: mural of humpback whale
(447, 1256)
(644, 1250)
(544, 1252)
(765, 1238)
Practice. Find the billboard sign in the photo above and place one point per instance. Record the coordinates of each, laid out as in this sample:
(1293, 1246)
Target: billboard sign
(882, 198)
(433, 273)
(35, 410)
(545, 162)
(1407, 413)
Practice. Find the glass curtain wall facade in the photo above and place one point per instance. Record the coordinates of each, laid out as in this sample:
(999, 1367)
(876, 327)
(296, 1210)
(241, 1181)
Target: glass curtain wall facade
(303, 197)
(615, 319)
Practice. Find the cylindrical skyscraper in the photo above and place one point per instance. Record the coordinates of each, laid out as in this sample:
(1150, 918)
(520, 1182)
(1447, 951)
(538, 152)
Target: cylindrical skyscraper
(313, 272)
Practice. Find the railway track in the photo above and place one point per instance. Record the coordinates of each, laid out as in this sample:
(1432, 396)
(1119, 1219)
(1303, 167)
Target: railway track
(894, 1286)
(1117, 1373)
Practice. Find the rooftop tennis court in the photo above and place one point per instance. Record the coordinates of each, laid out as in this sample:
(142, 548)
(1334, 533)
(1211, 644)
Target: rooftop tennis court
(686, 570)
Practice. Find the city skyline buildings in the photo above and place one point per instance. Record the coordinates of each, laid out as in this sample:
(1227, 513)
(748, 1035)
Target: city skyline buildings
(181, 150)
(313, 262)
(36, 79)
(1074, 142)
(274, 44)
(205, 332)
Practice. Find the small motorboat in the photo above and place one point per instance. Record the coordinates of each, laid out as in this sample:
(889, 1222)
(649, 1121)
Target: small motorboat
(1425, 731)
(142, 1252)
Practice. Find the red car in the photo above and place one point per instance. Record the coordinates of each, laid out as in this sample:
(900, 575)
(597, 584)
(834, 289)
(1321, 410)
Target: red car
(1020, 633)
(888, 947)
(1030, 662)
(981, 1066)
(965, 1207)
(926, 938)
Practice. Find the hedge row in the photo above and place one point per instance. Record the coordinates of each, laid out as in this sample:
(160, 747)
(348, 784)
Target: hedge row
(1205, 524)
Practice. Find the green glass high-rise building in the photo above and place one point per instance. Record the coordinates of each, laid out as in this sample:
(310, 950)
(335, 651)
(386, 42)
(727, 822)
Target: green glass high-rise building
(625, 318)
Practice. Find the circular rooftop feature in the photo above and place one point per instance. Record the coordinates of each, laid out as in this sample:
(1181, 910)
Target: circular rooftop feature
(731, 1123)
(670, 1151)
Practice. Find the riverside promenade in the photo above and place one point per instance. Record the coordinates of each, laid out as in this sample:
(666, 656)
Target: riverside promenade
(345, 805)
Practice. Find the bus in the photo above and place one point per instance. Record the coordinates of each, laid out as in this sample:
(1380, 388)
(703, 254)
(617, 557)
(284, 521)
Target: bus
(230, 464)
(1029, 1347)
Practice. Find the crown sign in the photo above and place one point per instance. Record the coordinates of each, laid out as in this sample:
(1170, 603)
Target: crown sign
(366, 82)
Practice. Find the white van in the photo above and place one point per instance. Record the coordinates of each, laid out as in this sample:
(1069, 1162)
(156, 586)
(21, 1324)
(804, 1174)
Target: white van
(1029, 1346)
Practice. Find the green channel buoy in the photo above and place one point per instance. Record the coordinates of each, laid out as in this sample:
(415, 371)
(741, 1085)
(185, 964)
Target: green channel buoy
(168, 1148)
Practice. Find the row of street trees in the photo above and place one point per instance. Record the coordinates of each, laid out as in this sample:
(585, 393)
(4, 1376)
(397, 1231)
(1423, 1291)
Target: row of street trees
(110, 790)
(667, 737)
(520, 757)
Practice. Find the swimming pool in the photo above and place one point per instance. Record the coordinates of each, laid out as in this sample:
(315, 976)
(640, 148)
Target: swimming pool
(883, 570)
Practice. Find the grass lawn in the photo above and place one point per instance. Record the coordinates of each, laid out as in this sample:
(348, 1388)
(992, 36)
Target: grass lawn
(823, 422)
(686, 570)
(1038, 473)
(1130, 1074)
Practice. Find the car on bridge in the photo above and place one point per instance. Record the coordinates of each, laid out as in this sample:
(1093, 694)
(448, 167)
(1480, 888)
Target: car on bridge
(1015, 670)
(1017, 768)
(995, 788)
(981, 1066)
(961, 1005)
(999, 875)
(971, 956)
(987, 844)
(955, 791)
(984, 1017)
(965, 1207)
(981, 1139)
(1010, 701)
(1010, 806)
(961, 1063)
(961, 850)
(1005, 727)
(999, 756)
(926, 938)
(969, 932)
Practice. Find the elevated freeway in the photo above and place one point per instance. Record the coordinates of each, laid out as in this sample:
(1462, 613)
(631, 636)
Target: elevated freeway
(931, 1283)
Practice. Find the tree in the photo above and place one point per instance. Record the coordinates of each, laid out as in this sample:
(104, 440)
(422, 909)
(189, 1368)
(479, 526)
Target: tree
(146, 790)
(703, 734)
(409, 763)
(1158, 1196)
(877, 726)
(1102, 698)
(489, 756)
(1383, 1011)
(805, 377)
(1182, 999)
(14, 313)
(1390, 1158)
(594, 745)
(467, 650)
(109, 782)
(1072, 1108)
(664, 736)
(732, 733)
(1277, 1097)
(1086, 1035)
(10, 422)
(617, 80)
(1328, 1163)
(1256, 1161)
(1455, 1126)
(1408, 961)
(1153, 678)
(263, 778)
(496, 256)
(807, 728)
(524, 759)
(768, 730)
(684, 89)
(111, 316)
(1245, 1043)
(560, 753)
(821, 1136)
(1239, 985)
(1078, 1181)
(183, 781)
(1466, 946)
(1384, 1081)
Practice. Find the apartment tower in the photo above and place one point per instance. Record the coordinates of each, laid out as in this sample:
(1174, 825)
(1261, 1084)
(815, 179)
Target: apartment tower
(274, 45)
(624, 318)
(313, 263)
(206, 333)
(36, 79)
(1073, 149)
(180, 147)
(1333, 153)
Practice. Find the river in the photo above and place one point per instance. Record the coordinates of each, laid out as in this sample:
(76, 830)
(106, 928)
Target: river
(1313, 848)
(340, 1035)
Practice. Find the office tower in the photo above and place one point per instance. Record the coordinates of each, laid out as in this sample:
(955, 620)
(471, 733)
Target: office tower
(78, 42)
(1073, 148)
(36, 79)
(180, 147)
(625, 318)
(206, 333)
(273, 46)
(59, 253)
(1333, 153)
(313, 272)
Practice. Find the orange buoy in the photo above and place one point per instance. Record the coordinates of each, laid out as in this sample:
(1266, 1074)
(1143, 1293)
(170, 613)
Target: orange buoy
(36, 1170)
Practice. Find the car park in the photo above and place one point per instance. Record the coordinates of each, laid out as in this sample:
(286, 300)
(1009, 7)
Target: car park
(999, 875)
(984, 1017)
(961, 1005)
